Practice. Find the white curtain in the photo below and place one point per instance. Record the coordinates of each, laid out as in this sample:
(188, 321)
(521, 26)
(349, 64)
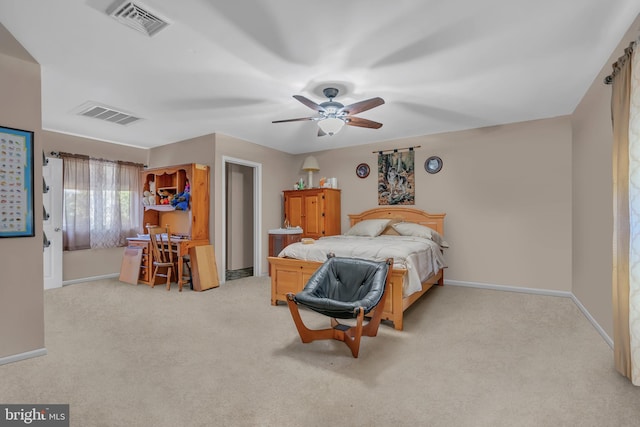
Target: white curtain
(76, 218)
(101, 202)
(634, 219)
(115, 203)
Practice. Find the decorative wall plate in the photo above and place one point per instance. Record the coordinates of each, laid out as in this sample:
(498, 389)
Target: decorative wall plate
(433, 164)
(362, 170)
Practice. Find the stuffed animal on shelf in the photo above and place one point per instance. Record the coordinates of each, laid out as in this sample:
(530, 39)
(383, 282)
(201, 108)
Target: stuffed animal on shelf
(148, 199)
(152, 190)
(181, 201)
(164, 197)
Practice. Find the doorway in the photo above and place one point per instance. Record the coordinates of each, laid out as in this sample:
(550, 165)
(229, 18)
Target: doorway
(241, 255)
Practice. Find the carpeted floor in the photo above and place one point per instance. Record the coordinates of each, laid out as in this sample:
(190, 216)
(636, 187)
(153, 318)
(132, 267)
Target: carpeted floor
(125, 355)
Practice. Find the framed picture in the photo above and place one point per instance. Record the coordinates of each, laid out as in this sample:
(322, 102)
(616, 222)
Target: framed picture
(362, 170)
(16, 183)
(433, 164)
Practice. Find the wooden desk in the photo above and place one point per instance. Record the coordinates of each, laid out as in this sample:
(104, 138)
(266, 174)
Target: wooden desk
(146, 264)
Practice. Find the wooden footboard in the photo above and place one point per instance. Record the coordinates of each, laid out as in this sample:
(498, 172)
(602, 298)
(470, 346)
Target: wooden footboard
(290, 275)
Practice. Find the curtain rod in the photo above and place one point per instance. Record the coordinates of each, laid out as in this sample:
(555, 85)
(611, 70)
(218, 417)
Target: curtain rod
(395, 150)
(616, 65)
(60, 154)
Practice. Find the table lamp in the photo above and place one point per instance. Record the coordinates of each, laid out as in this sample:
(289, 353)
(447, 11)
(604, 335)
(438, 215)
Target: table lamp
(310, 165)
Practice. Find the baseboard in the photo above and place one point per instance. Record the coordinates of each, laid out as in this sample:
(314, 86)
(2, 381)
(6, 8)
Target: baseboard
(90, 279)
(23, 356)
(595, 324)
(536, 291)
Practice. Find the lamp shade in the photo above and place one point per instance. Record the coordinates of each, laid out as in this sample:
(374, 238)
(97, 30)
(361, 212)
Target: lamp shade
(331, 126)
(310, 164)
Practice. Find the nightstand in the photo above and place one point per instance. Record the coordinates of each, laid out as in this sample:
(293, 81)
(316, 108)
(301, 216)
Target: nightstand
(280, 238)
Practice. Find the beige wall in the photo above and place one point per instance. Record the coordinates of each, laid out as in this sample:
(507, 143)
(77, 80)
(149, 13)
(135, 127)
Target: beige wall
(196, 150)
(91, 262)
(506, 191)
(21, 286)
(592, 194)
(276, 173)
(210, 150)
(55, 141)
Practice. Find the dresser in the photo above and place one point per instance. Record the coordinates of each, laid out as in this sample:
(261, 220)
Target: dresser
(315, 210)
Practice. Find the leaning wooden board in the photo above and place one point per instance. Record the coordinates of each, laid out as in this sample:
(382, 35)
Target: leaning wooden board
(204, 271)
(130, 268)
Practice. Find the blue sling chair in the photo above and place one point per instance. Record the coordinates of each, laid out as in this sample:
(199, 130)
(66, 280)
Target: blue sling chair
(343, 288)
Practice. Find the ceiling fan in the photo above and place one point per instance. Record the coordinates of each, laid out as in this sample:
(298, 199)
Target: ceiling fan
(333, 115)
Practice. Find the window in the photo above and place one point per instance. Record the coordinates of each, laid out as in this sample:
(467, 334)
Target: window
(101, 202)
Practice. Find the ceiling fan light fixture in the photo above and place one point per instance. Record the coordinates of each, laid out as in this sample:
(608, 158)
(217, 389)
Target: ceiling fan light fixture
(331, 125)
(333, 115)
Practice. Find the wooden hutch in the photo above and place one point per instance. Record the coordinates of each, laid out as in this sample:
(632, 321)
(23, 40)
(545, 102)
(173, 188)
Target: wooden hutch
(192, 224)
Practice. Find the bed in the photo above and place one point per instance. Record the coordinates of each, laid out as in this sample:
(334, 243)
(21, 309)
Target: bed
(290, 274)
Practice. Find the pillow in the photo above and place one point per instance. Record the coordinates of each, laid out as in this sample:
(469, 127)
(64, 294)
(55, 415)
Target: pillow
(368, 228)
(417, 230)
(389, 230)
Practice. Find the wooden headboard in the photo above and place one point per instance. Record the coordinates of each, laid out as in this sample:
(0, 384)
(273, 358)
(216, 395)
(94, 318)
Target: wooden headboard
(434, 221)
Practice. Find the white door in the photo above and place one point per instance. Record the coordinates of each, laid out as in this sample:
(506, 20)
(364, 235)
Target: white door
(52, 225)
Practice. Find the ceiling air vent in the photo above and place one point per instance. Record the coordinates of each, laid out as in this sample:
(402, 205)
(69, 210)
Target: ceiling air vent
(108, 114)
(137, 17)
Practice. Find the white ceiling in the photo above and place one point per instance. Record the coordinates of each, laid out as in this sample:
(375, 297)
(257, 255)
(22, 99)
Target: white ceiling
(232, 67)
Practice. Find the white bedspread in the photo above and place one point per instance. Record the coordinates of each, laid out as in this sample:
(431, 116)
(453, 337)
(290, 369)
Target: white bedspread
(421, 257)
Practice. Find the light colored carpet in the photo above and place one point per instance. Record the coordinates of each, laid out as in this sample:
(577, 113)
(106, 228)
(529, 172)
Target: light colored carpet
(125, 355)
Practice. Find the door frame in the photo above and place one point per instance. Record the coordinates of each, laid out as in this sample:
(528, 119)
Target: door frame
(257, 214)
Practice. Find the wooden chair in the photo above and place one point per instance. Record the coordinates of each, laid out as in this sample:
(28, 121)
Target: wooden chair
(343, 288)
(163, 254)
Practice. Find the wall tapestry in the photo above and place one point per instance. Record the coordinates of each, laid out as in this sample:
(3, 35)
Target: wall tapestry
(396, 178)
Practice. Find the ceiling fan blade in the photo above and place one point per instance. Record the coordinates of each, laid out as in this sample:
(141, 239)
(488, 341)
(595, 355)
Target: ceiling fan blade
(361, 106)
(309, 103)
(363, 123)
(294, 120)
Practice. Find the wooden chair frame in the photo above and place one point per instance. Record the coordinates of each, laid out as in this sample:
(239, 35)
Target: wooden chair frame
(162, 254)
(350, 335)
